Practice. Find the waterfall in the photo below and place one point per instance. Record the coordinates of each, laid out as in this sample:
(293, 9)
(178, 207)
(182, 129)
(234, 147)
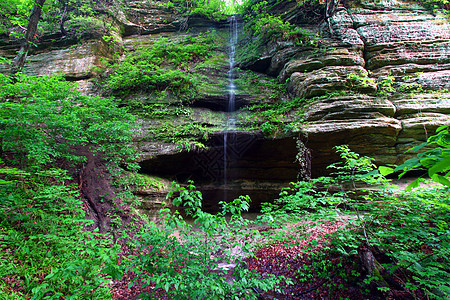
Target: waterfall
(231, 98)
(231, 71)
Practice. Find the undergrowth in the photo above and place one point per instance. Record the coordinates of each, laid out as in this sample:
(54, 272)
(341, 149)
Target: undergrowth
(396, 241)
(48, 131)
(203, 260)
(264, 27)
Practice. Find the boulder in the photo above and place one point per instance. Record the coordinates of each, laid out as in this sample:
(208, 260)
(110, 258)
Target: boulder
(319, 58)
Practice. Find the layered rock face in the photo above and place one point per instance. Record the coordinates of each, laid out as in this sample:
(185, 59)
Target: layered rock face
(81, 55)
(390, 61)
(385, 67)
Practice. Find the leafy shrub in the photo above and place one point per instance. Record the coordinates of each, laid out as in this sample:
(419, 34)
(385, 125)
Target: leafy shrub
(264, 26)
(43, 243)
(45, 119)
(268, 28)
(46, 124)
(187, 260)
(213, 9)
(436, 161)
(408, 231)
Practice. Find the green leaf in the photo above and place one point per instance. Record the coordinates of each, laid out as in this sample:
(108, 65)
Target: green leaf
(442, 166)
(167, 286)
(385, 170)
(441, 179)
(414, 184)
(408, 164)
(441, 128)
(418, 147)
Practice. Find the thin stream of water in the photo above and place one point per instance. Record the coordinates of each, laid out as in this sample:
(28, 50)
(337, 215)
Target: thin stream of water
(231, 98)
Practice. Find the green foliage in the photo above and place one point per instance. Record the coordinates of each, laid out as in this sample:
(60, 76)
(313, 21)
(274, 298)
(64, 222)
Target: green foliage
(263, 88)
(412, 229)
(389, 86)
(14, 13)
(212, 9)
(44, 248)
(172, 72)
(386, 86)
(268, 27)
(436, 5)
(83, 17)
(172, 124)
(184, 135)
(436, 161)
(282, 116)
(45, 124)
(265, 27)
(409, 228)
(165, 66)
(327, 195)
(188, 260)
(353, 169)
(273, 114)
(361, 80)
(45, 119)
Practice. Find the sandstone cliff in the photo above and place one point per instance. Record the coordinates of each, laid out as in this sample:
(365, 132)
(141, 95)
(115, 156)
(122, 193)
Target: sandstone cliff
(390, 61)
(378, 78)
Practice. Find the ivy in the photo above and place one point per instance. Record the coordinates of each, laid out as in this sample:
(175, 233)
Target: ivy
(436, 161)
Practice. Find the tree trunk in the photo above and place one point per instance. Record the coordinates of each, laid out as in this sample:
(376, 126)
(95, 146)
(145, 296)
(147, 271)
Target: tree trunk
(35, 15)
(63, 19)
